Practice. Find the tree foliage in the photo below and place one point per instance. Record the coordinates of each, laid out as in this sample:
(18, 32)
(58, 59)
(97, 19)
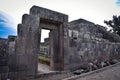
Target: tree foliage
(114, 24)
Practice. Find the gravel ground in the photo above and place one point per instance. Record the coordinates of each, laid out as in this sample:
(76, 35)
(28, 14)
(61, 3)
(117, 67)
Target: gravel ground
(43, 68)
(108, 73)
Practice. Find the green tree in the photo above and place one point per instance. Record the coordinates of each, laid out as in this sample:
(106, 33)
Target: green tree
(114, 24)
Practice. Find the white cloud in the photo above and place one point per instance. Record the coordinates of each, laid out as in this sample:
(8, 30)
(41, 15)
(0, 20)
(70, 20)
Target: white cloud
(93, 10)
(8, 21)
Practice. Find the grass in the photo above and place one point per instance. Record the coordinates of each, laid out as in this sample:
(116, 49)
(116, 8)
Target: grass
(44, 60)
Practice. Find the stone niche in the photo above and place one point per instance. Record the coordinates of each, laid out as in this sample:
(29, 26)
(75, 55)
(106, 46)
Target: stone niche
(29, 35)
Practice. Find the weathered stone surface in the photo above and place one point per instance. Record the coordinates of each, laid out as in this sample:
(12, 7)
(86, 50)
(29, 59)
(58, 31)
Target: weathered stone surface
(27, 47)
(73, 45)
(47, 14)
(88, 44)
(11, 53)
(3, 52)
(4, 69)
(28, 41)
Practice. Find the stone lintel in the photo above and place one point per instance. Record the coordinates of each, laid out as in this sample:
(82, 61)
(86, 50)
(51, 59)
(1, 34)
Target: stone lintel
(48, 14)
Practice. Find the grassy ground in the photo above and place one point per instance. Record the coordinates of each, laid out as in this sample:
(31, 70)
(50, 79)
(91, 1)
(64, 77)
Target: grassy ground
(44, 60)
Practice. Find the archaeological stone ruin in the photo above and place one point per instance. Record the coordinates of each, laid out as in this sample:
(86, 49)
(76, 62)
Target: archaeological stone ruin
(79, 44)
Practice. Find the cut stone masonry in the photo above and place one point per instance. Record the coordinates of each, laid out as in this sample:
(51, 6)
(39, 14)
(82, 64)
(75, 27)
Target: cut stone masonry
(73, 45)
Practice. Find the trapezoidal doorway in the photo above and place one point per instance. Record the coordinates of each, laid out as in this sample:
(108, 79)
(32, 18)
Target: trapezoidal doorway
(28, 41)
(55, 43)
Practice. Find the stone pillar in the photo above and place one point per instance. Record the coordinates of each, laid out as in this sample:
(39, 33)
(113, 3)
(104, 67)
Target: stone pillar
(11, 50)
(27, 47)
(66, 47)
(12, 56)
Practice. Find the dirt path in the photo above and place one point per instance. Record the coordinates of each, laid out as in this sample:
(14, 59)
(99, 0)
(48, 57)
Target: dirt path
(108, 73)
(43, 68)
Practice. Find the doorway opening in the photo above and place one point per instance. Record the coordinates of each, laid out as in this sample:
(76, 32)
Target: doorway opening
(44, 53)
(51, 48)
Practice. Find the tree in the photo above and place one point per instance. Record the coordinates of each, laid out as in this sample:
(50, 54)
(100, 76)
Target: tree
(114, 24)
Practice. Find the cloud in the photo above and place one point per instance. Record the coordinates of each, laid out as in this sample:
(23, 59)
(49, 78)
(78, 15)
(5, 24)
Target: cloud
(5, 31)
(7, 20)
(7, 25)
(118, 2)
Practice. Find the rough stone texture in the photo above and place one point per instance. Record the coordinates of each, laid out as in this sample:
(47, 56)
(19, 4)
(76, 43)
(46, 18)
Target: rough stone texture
(93, 30)
(27, 46)
(12, 55)
(3, 52)
(4, 69)
(108, 73)
(47, 14)
(56, 22)
(28, 41)
(73, 45)
(88, 44)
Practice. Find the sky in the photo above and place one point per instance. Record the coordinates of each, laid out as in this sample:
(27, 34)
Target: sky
(6, 25)
(118, 2)
(96, 11)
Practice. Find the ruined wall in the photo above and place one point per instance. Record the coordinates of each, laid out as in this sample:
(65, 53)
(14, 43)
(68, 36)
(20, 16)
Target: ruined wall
(88, 45)
(52, 19)
(3, 51)
(12, 57)
(28, 41)
(4, 69)
(27, 46)
(76, 45)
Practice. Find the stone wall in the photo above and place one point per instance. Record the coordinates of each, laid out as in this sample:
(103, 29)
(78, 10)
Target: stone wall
(52, 17)
(12, 57)
(28, 41)
(27, 46)
(11, 50)
(4, 69)
(88, 44)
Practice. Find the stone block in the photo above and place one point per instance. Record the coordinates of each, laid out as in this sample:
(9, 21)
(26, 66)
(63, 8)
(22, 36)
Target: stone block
(27, 64)
(12, 75)
(4, 69)
(48, 14)
(4, 76)
(12, 62)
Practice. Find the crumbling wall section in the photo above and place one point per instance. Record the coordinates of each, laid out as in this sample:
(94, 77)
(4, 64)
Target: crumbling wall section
(12, 57)
(4, 69)
(87, 45)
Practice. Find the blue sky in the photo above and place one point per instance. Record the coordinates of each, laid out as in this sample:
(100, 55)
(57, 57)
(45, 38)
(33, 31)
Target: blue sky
(92, 10)
(6, 25)
(118, 2)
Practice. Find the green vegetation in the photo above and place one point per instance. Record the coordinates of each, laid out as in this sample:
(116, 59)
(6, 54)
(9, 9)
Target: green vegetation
(114, 24)
(44, 60)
